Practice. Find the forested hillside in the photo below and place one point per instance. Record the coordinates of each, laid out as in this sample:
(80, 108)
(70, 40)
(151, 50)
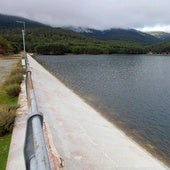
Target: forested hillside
(126, 35)
(43, 39)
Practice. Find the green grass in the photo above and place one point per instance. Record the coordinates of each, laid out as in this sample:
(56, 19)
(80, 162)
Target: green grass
(4, 148)
(9, 102)
(4, 99)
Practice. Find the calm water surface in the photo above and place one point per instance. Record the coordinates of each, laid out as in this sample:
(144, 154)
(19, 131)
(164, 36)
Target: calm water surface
(131, 91)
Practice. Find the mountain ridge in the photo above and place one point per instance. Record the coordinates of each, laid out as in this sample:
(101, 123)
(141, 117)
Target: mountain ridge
(9, 21)
(118, 34)
(160, 34)
(44, 39)
(127, 35)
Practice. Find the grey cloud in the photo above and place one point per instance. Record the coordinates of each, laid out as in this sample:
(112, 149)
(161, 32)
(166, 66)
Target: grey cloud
(100, 14)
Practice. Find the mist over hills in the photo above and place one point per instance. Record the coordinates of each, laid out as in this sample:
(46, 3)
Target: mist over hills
(128, 35)
(45, 39)
(164, 36)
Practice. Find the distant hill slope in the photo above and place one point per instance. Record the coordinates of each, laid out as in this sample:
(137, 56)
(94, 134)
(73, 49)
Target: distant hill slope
(44, 39)
(164, 36)
(8, 21)
(37, 35)
(126, 35)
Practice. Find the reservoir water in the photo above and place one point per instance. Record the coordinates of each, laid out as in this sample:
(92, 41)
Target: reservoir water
(132, 91)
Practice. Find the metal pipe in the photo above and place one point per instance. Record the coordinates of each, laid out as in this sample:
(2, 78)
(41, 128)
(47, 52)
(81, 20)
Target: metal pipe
(33, 165)
(42, 160)
(35, 151)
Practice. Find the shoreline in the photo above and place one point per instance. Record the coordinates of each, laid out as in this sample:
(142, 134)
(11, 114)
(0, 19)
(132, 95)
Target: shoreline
(134, 137)
(137, 155)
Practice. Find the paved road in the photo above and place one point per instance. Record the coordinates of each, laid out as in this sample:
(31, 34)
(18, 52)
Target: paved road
(82, 137)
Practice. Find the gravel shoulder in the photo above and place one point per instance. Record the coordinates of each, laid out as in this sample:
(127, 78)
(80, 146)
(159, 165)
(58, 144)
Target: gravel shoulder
(5, 66)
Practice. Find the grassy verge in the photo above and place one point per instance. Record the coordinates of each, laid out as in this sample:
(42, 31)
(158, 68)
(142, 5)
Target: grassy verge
(9, 92)
(4, 148)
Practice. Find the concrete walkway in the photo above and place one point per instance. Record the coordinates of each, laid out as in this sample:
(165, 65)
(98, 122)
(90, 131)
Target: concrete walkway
(16, 151)
(82, 137)
(16, 154)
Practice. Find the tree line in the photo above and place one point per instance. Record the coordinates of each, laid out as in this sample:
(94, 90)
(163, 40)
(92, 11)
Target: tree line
(47, 40)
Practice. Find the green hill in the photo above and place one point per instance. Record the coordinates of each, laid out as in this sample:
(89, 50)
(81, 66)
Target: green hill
(39, 37)
(43, 39)
(7, 22)
(164, 36)
(126, 35)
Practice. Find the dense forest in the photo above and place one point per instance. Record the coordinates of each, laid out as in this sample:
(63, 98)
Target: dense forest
(43, 39)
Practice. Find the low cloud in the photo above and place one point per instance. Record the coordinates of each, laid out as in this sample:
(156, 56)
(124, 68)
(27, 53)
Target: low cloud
(98, 14)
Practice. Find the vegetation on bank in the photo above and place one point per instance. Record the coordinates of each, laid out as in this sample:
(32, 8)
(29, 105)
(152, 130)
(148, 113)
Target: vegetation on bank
(161, 48)
(47, 40)
(9, 92)
(4, 149)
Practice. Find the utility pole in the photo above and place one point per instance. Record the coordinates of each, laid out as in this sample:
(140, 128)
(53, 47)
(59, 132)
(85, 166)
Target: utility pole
(23, 36)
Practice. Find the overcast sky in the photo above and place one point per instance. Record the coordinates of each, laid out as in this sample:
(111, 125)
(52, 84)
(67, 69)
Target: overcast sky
(98, 14)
